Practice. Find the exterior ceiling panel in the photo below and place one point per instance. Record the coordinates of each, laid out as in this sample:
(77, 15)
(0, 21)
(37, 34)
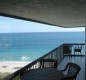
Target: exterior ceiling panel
(64, 13)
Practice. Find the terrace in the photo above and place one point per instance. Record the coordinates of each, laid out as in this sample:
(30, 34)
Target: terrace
(68, 13)
(64, 54)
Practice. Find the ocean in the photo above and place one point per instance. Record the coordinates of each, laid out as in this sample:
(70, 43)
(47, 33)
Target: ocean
(30, 46)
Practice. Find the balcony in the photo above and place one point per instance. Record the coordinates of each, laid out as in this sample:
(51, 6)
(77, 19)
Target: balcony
(68, 52)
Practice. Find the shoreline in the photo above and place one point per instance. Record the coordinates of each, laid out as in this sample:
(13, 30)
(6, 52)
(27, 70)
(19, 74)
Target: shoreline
(11, 66)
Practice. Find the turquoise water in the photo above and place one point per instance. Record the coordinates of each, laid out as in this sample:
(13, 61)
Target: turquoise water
(30, 46)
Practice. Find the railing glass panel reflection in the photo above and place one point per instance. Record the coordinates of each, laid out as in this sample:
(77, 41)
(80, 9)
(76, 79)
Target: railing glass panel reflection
(74, 49)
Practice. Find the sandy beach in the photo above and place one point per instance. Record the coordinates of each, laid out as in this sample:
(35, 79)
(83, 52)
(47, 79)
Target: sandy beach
(10, 67)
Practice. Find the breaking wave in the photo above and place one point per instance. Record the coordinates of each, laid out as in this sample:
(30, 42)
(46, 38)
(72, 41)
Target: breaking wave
(25, 58)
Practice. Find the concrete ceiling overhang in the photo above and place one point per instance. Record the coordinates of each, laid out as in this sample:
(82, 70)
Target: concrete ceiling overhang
(64, 13)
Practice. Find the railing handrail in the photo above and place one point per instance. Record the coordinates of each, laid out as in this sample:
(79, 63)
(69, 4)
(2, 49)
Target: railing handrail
(74, 44)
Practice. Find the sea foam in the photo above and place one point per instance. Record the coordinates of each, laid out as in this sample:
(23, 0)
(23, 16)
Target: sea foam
(25, 57)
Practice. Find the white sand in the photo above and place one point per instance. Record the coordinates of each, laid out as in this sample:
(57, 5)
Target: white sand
(10, 66)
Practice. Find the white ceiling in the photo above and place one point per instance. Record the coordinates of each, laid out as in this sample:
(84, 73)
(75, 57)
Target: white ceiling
(64, 13)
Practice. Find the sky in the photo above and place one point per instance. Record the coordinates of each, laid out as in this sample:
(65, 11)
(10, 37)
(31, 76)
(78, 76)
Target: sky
(11, 25)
